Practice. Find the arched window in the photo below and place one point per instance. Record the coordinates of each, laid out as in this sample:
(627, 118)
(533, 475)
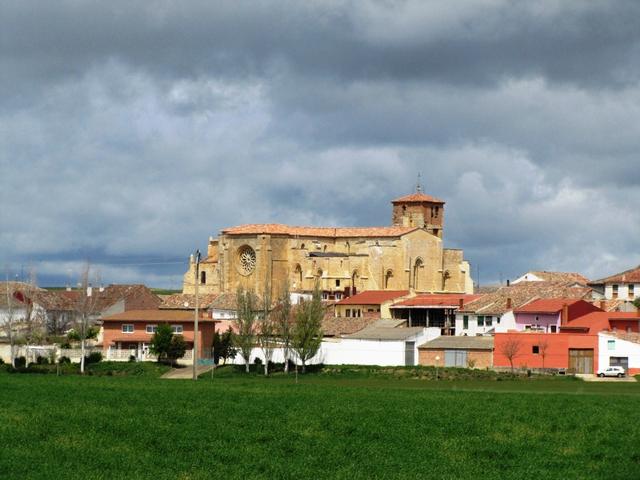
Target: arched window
(355, 276)
(203, 277)
(298, 276)
(416, 275)
(387, 278)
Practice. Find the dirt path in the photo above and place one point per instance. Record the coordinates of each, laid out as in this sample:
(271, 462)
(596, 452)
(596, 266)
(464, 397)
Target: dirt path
(185, 373)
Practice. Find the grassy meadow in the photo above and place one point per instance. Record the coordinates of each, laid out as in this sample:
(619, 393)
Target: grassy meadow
(325, 426)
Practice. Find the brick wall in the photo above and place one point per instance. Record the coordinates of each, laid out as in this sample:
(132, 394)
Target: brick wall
(482, 358)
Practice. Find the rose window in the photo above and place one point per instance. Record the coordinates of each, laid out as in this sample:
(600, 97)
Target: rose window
(247, 260)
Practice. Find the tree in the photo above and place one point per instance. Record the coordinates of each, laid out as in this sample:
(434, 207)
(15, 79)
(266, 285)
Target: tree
(266, 329)
(84, 308)
(223, 346)
(307, 331)
(9, 325)
(543, 346)
(283, 319)
(511, 349)
(167, 346)
(636, 303)
(246, 304)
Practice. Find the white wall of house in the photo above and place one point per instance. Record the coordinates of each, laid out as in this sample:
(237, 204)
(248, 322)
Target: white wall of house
(351, 351)
(499, 324)
(527, 277)
(218, 314)
(623, 291)
(611, 346)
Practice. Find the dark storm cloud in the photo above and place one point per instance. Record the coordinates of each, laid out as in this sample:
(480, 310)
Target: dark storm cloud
(134, 130)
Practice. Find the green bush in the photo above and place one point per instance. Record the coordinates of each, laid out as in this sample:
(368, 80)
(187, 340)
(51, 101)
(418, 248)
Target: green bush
(64, 360)
(42, 360)
(20, 362)
(93, 357)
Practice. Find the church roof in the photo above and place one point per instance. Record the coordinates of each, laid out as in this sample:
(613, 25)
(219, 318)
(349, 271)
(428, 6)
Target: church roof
(329, 232)
(417, 197)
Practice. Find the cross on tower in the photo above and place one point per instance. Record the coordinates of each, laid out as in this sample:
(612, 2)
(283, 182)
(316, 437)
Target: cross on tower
(419, 184)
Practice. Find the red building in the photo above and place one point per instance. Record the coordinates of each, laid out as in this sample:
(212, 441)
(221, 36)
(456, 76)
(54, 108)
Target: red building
(129, 333)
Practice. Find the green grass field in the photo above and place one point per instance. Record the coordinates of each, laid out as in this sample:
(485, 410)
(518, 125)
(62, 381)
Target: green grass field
(325, 426)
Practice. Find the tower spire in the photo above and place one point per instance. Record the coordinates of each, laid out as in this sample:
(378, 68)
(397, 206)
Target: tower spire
(419, 184)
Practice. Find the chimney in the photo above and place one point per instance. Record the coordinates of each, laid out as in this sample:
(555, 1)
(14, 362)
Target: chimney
(564, 319)
(68, 288)
(101, 288)
(89, 290)
(461, 304)
(509, 304)
(603, 305)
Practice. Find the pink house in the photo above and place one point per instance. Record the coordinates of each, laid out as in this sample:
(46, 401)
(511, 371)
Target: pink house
(547, 315)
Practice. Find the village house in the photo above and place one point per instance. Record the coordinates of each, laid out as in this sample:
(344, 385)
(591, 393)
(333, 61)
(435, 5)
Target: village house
(493, 312)
(373, 303)
(431, 310)
(543, 276)
(457, 351)
(624, 286)
(548, 314)
(128, 334)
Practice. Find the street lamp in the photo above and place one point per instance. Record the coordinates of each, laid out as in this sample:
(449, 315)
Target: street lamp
(195, 321)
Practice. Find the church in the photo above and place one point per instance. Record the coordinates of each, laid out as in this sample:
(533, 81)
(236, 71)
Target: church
(407, 255)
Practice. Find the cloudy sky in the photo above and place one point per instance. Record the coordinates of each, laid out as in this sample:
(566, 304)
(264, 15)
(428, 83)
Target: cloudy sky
(130, 131)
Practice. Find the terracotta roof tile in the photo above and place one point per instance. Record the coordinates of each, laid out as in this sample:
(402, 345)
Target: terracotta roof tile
(628, 276)
(436, 300)
(154, 316)
(327, 232)
(338, 326)
(546, 305)
(185, 301)
(418, 197)
(561, 277)
(373, 297)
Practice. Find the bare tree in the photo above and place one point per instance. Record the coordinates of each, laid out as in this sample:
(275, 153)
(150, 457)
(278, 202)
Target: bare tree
(9, 325)
(284, 323)
(266, 329)
(543, 346)
(307, 331)
(85, 306)
(511, 349)
(246, 305)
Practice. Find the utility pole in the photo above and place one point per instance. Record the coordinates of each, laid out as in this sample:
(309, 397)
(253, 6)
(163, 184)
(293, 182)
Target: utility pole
(195, 321)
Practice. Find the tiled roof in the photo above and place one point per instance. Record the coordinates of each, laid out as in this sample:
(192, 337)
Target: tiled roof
(328, 232)
(417, 198)
(546, 305)
(600, 321)
(561, 277)
(610, 305)
(154, 316)
(523, 293)
(19, 292)
(373, 332)
(436, 300)
(628, 276)
(373, 297)
(338, 326)
(459, 342)
(185, 301)
(225, 301)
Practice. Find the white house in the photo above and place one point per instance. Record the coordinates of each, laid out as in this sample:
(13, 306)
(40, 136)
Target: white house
(621, 286)
(619, 349)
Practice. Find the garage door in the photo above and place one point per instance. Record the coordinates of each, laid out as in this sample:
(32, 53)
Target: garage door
(581, 360)
(455, 358)
(619, 362)
(409, 353)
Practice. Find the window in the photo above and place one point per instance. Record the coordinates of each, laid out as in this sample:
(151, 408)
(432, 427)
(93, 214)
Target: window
(465, 322)
(554, 329)
(203, 277)
(152, 328)
(611, 344)
(176, 328)
(480, 321)
(535, 350)
(348, 312)
(632, 289)
(615, 291)
(127, 328)
(488, 321)
(337, 283)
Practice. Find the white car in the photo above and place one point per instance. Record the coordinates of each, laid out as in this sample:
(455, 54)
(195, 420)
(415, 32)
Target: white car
(611, 372)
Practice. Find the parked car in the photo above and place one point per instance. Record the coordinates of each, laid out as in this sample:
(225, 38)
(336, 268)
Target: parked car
(611, 372)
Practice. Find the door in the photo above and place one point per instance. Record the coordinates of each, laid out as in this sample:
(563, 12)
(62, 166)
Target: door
(619, 362)
(409, 353)
(455, 358)
(581, 360)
